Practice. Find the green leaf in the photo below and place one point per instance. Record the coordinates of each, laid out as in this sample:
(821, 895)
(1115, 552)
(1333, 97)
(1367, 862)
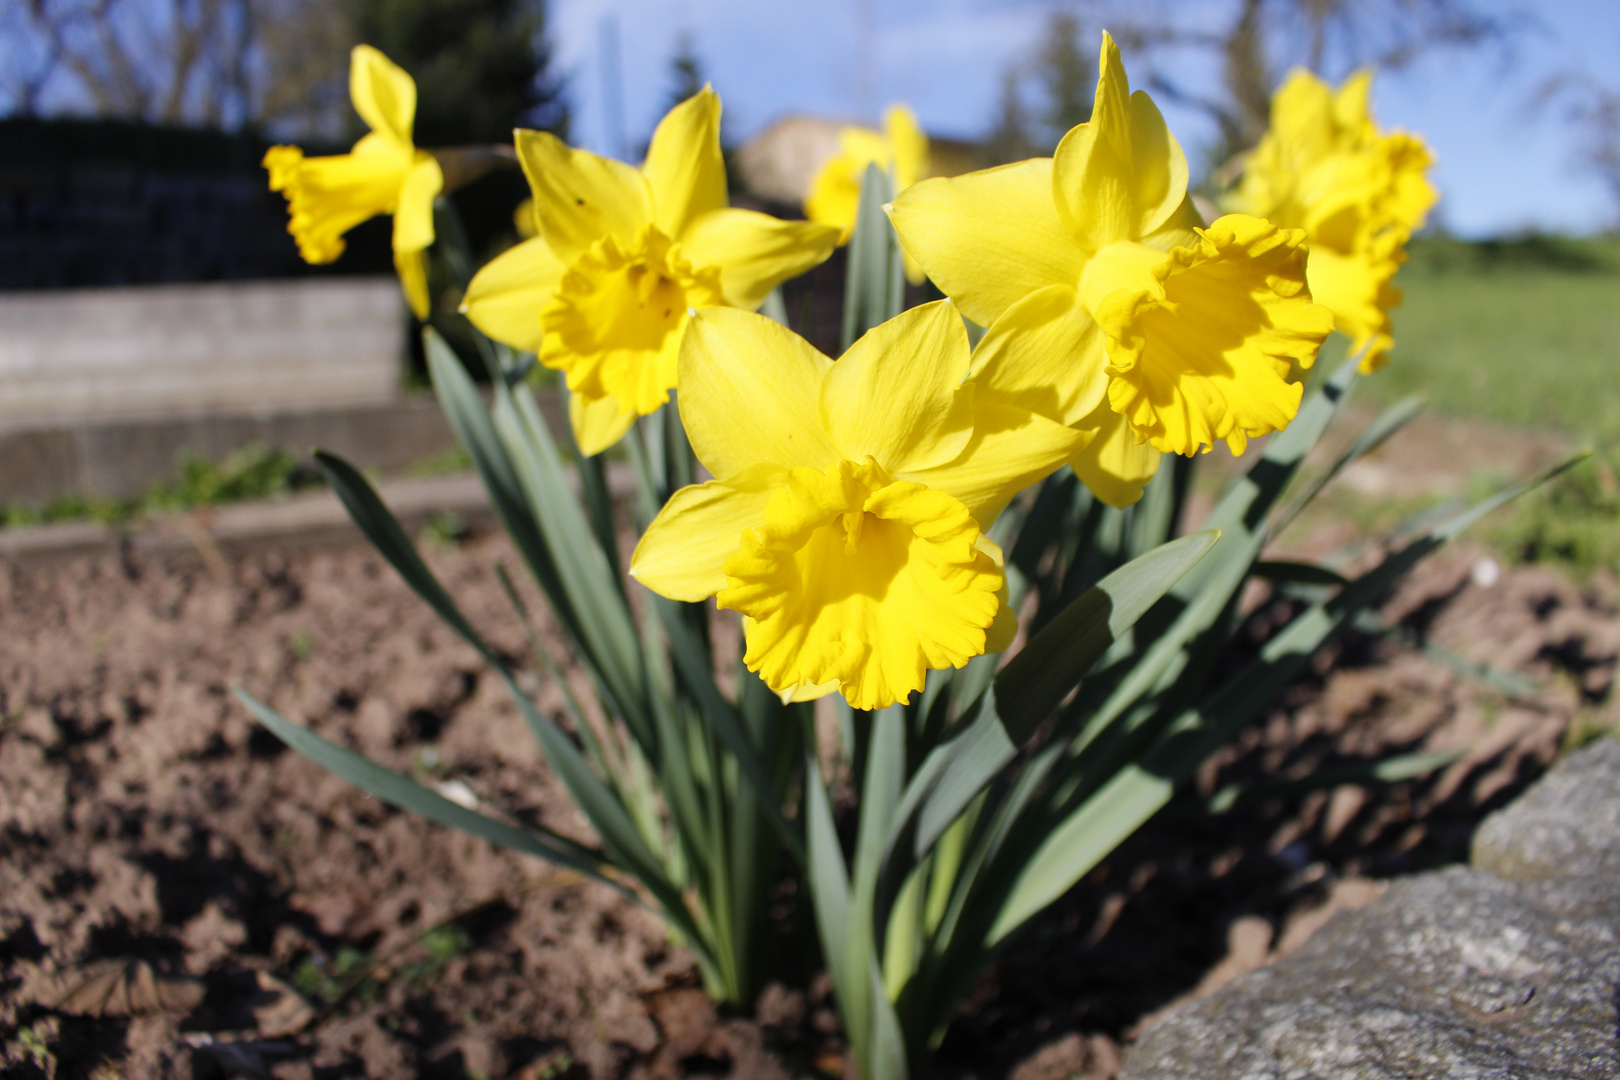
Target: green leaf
(1036, 680)
(1023, 695)
(1297, 573)
(829, 880)
(606, 814)
(407, 794)
(695, 668)
(1137, 791)
(1389, 770)
(464, 409)
(1371, 438)
(608, 639)
(875, 282)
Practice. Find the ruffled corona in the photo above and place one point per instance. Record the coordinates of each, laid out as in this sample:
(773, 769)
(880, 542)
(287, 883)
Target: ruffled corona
(857, 579)
(614, 323)
(1201, 340)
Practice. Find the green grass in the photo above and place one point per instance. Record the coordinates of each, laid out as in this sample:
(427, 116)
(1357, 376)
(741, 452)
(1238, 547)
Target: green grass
(1523, 332)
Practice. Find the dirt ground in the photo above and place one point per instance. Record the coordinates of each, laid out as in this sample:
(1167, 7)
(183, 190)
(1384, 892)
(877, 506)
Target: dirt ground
(195, 899)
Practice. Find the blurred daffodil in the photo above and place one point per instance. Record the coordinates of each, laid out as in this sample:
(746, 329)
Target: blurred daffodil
(383, 174)
(846, 518)
(622, 255)
(835, 193)
(1359, 194)
(1116, 313)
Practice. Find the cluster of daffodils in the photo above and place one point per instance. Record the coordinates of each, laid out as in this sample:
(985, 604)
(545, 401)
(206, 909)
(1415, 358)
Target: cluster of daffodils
(847, 516)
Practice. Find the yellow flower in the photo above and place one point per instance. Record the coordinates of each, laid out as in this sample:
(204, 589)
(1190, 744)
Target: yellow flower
(1324, 167)
(384, 174)
(901, 148)
(846, 518)
(602, 292)
(1115, 312)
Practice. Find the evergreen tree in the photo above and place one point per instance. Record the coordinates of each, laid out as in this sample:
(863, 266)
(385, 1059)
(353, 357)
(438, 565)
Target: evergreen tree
(481, 66)
(1068, 79)
(1010, 140)
(686, 71)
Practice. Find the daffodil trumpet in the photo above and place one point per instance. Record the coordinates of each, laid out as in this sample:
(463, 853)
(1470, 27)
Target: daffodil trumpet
(846, 521)
(385, 173)
(1125, 317)
(1358, 193)
(621, 256)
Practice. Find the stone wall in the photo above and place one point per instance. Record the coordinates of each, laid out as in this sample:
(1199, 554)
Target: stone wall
(1506, 969)
(186, 350)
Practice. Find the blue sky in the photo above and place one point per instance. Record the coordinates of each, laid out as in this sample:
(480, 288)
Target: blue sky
(1501, 168)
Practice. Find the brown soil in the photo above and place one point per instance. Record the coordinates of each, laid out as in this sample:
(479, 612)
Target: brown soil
(145, 820)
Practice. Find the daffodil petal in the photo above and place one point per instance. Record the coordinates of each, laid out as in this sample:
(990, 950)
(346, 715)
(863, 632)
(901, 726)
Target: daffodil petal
(682, 554)
(580, 197)
(990, 238)
(412, 269)
(924, 350)
(755, 252)
(413, 217)
(909, 145)
(684, 166)
(505, 298)
(835, 192)
(1045, 354)
(383, 94)
(1115, 464)
(598, 423)
(748, 392)
(1121, 174)
(1357, 289)
(1011, 449)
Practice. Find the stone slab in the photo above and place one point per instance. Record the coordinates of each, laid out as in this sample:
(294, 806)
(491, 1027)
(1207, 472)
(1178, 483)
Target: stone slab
(183, 350)
(1567, 825)
(1459, 973)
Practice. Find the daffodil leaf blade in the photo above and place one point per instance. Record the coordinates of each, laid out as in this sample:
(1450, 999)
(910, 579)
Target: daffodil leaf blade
(608, 641)
(1387, 423)
(1028, 690)
(1085, 834)
(470, 420)
(401, 791)
(379, 525)
(1036, 680)
(874, 284)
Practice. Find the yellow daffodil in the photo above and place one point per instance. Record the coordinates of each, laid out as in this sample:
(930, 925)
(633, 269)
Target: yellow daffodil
(384, 174)
(1119, 315)
(846, 518)
(901, 148)
(1359, 194)
(621, 255)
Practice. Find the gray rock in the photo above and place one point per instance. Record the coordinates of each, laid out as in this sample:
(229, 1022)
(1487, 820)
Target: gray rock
(1459, 973)
(1567, 825)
